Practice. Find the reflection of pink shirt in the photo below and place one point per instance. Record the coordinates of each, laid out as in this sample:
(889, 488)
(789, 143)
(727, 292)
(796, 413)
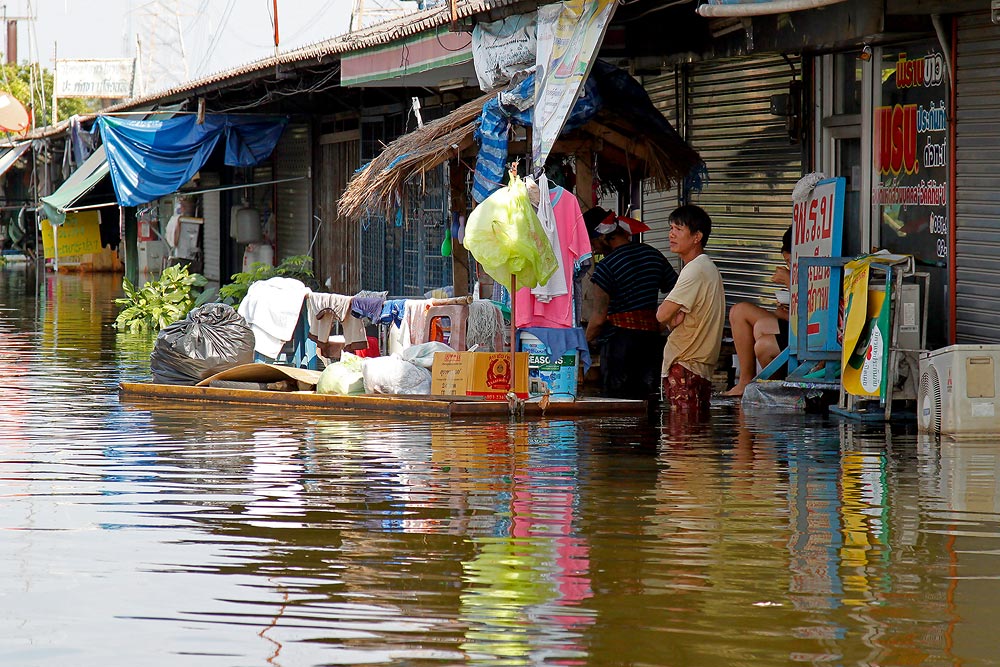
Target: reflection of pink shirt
(557, 313)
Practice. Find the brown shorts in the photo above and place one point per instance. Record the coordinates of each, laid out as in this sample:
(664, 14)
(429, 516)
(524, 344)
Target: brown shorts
(685, 390)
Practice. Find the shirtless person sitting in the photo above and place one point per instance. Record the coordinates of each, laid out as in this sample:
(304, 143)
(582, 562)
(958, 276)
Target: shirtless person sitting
(760, 334)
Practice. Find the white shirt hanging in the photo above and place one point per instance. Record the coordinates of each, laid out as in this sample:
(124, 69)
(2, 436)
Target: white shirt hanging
(557, 283)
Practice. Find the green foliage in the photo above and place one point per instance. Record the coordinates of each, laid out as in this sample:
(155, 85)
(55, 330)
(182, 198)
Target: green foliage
(16, 79)
(298, 266)
(158, 303)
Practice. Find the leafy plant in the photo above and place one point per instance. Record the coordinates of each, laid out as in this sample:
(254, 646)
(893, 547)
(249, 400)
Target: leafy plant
(297, 266)
(159, 303)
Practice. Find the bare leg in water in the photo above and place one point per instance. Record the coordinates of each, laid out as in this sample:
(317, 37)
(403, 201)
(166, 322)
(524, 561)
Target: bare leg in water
(755, 337)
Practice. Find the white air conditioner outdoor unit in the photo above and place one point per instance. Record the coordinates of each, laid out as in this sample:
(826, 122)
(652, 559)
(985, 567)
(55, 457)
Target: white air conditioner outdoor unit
(958, 393)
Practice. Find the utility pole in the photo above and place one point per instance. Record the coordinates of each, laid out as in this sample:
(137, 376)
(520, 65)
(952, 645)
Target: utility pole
(10, 23)
(55, 82)
(275, 28)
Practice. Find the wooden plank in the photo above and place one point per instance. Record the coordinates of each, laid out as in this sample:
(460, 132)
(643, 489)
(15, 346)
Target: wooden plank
(339, 137)
(421, 406)
(346, 404)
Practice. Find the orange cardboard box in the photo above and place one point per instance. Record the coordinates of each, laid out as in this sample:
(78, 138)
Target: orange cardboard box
(485, 374)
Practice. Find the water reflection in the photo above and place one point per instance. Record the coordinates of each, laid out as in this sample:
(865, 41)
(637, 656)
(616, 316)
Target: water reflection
(144, 532)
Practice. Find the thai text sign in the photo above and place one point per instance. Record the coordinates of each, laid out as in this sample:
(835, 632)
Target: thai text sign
(817, 231)
(569, 34)
(94, 78)
(910, 165)
(868, 325)
(79, 235)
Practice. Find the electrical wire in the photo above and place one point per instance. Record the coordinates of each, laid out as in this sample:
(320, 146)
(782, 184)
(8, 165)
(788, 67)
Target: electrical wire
(651, 10)
(311, 22)
(207, 58)
(437, 36)
(271, 95)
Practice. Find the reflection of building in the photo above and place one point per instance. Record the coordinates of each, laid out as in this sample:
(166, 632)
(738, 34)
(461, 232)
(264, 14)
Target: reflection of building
(897, 98)
(960, 494)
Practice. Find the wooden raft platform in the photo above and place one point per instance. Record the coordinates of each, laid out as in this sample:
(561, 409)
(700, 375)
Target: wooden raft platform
(447, 407)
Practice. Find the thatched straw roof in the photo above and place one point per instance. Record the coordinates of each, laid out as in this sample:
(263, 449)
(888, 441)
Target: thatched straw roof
(373, 187)
(631, 138)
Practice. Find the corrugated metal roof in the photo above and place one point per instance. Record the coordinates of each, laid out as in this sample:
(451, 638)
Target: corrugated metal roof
(376, 35)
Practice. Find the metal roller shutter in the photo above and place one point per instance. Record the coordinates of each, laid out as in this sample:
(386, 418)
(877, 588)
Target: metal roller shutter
(293, 159)
(977, 250)
(657, 204)
(211, 204)
(752, 166)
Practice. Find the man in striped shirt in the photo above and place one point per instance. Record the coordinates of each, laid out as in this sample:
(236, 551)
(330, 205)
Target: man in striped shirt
(623, 323)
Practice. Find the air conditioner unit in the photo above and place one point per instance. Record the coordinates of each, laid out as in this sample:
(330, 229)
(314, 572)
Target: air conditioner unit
(958, 390)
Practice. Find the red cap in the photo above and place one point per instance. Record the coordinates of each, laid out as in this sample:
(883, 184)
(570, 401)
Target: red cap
(630, 225)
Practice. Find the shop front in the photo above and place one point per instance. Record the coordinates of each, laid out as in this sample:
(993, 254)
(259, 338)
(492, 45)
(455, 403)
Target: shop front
(976, 154)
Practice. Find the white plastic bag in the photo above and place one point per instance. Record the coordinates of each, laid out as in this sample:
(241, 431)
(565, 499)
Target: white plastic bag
(393, 375)
(423, 354)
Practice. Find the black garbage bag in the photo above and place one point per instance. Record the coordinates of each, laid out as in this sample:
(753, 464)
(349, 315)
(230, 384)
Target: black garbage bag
(209, 340)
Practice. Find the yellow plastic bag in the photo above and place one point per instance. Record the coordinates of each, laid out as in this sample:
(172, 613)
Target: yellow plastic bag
(504, 234)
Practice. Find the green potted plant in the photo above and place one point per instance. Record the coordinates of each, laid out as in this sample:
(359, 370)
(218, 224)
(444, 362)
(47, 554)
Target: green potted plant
(162, 302)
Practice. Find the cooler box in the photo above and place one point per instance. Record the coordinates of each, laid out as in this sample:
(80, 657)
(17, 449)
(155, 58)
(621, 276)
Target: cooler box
(557, 378)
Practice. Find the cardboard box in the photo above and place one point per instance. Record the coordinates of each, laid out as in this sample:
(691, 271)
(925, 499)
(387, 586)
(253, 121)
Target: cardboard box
(485, 374)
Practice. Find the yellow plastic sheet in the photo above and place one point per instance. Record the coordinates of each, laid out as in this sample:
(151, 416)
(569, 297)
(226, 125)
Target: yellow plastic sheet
(504, 234)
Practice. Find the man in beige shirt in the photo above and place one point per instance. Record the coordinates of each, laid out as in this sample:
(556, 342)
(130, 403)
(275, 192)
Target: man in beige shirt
(695, 311)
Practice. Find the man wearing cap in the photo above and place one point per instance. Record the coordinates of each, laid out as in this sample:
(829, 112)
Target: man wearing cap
(627, 281)
(695, 312)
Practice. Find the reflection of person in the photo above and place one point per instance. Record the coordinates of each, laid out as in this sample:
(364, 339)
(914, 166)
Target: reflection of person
(695, 311)
(627, 283)
(758, 334)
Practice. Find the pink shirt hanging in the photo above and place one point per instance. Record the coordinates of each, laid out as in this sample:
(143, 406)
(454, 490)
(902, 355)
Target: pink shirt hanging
(557, 313)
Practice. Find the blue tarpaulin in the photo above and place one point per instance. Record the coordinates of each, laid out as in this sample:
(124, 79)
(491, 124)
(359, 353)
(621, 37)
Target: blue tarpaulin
(514, 107)
(153, 158)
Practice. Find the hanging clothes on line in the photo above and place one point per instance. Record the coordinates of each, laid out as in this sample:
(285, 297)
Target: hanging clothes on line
(323, 309)
(557, 285)
(574, 249)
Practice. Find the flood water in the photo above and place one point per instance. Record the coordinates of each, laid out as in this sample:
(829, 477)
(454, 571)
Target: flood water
(148, 533)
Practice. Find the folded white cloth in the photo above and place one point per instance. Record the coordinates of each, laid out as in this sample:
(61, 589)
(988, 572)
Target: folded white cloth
(271, 308)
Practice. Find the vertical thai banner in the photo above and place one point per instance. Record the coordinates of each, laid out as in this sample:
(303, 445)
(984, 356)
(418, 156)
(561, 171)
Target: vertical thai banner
(910, 159)
(865, 355)
(817, 231)
(569, 35)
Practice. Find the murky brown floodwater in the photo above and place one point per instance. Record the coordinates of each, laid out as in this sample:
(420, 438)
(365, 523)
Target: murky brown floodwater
(156, 534)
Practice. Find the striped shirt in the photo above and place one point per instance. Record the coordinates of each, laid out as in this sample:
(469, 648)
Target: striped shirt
(633, 275)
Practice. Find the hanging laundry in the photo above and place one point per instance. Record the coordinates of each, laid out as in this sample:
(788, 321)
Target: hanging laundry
(574, 250)
(557, 284)
(271, 308)
(323, 309)
(505, 236)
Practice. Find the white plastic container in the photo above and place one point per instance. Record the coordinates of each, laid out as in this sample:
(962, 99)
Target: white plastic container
(558, 379)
